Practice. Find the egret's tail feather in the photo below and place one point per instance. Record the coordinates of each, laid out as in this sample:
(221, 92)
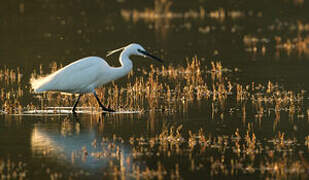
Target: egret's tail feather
(36, 84)
(40, 84)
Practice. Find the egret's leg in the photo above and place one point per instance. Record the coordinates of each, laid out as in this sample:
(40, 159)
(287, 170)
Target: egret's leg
(74, 107)
(101, 105)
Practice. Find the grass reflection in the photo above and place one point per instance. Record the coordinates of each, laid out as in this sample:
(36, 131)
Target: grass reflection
(237, 154)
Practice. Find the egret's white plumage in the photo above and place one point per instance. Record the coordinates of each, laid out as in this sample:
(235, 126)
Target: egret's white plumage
(86, 74)
(82, 76)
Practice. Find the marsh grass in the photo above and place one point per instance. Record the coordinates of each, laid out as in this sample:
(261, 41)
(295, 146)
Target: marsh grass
(174, 89)
(163, 89)
(11, 90)
(166, 89)
(171, 89)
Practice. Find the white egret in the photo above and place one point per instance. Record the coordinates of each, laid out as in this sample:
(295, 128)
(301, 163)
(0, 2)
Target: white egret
(86, 74)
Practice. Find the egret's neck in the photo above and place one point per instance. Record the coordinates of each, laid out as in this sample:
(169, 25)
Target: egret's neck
(125, 61)
(125, 68)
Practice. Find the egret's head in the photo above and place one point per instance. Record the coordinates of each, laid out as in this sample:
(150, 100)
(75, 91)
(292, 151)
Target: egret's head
(135, 49)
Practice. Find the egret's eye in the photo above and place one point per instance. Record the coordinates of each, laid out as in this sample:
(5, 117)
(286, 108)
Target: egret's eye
(139, 50)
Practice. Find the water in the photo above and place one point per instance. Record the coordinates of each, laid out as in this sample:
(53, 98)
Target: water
(244, 116)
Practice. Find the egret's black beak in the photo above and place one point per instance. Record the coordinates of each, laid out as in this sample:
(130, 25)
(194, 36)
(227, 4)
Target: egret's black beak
(150, 55)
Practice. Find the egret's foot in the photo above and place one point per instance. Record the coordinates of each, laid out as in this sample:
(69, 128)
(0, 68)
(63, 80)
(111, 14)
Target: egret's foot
(75, 104)
(108, 109)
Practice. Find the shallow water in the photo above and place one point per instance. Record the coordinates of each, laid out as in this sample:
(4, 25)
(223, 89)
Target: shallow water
(243, 116)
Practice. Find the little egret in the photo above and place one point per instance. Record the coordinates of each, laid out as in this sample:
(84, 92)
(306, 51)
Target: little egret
(86, 74)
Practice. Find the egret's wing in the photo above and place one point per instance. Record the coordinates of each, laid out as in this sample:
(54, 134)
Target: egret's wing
(76, 77)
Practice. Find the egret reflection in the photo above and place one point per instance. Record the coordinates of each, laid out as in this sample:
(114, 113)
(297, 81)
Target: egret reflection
(81, 146)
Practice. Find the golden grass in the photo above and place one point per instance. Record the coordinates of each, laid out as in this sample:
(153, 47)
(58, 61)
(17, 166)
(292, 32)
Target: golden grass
(170, 89)
(166, 89)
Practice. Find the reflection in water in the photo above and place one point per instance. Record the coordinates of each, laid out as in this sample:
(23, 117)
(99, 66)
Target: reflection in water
(84, 147)
(40, 142)
(298, 44)
(67, 142)
(87, 148)
(13, 170)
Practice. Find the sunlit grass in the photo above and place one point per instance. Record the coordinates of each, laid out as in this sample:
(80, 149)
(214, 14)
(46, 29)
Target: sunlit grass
(160, 89)
(171, 89)
(167, 89)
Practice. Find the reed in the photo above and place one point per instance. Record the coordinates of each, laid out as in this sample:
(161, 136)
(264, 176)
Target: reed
(167, 89)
